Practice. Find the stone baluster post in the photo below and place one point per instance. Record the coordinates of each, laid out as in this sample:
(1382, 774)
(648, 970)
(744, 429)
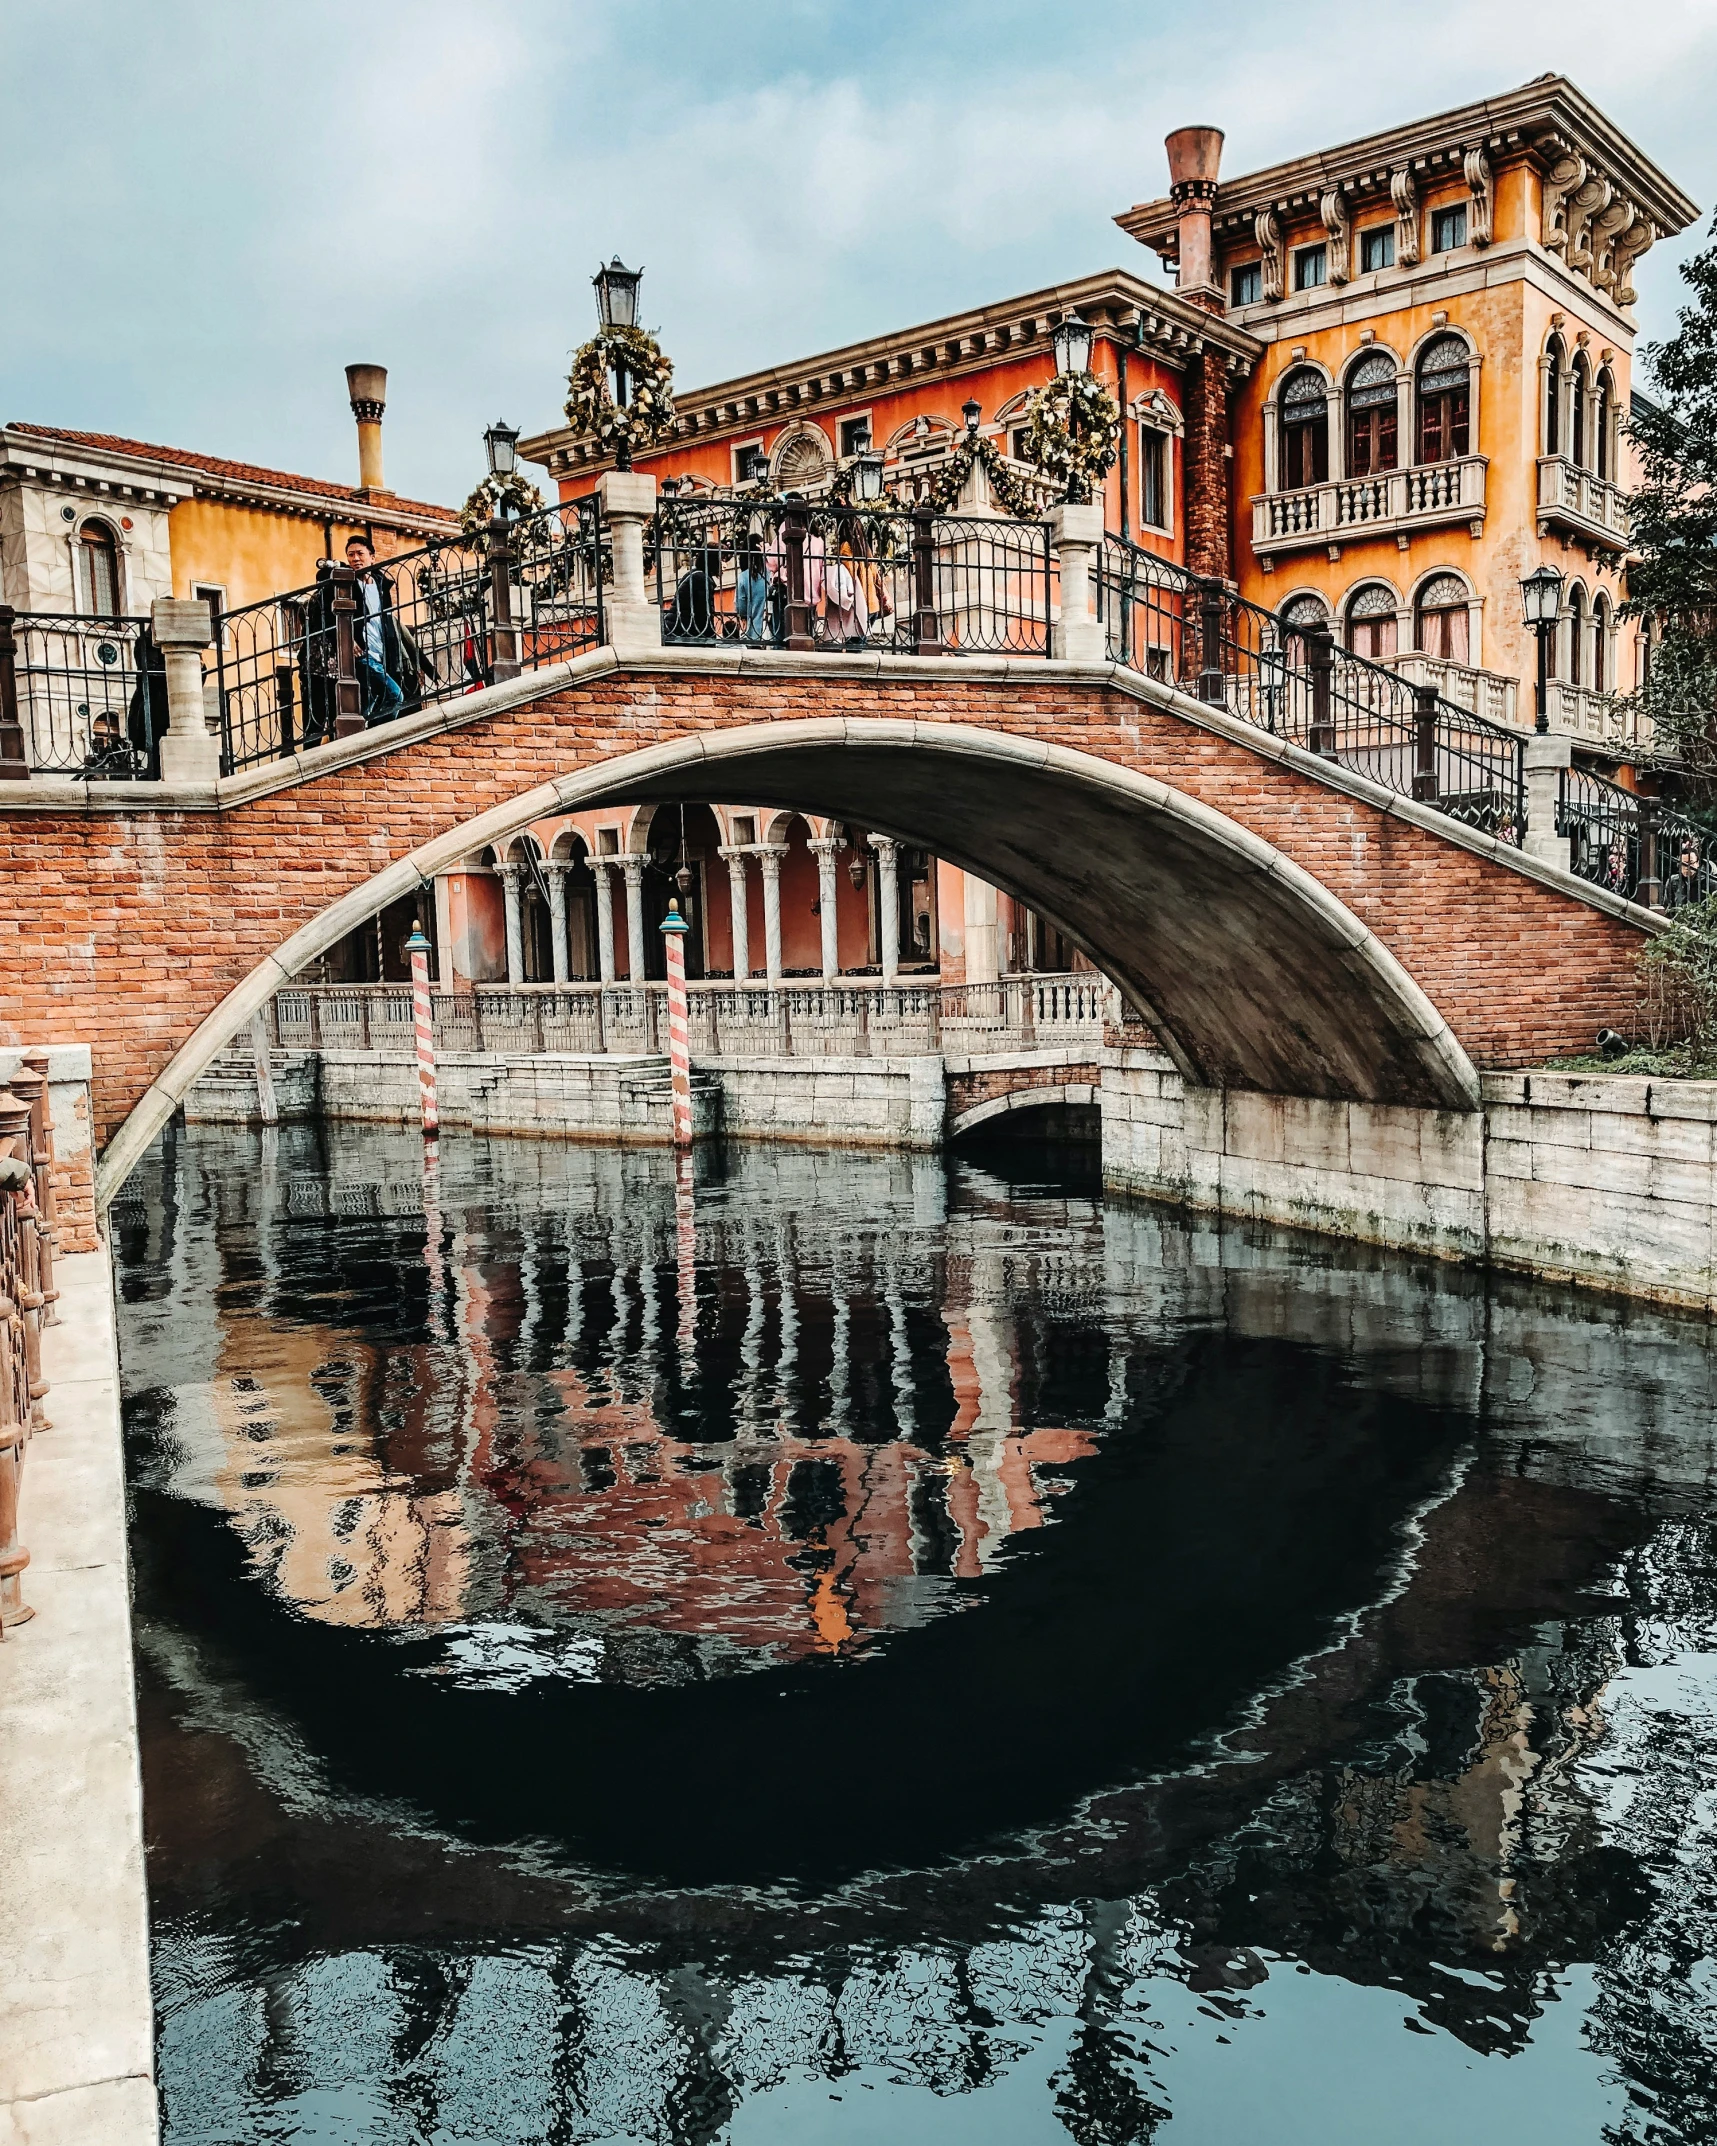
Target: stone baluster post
(824, 849)
(632, 868)
(633, 617)
(1546, 757)
(769, 856)
(515, 922)
(1077, 530)
(603, 869)
(738, 902)
(182, 630)
(556, 873)
(14, 761)
(33, 1069)
(887, 909)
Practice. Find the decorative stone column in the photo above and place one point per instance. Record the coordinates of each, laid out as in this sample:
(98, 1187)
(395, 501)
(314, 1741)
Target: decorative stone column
(1077, 531)
(888, 905)
(739, 903)
(824, 849)
(556, 875)
(769, 856)
(632, 866)
(515, 922)
(602, 867)
(1545, 760)
(633, 620)
(189, 753)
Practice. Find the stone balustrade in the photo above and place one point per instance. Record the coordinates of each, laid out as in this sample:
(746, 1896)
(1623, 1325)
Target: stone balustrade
(28, 1301)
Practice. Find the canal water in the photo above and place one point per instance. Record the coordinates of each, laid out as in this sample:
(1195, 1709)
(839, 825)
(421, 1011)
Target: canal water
(864, 1648)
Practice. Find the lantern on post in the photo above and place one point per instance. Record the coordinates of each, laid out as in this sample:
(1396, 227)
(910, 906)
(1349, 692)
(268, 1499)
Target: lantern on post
(500, 443)
(1070, 339)
(1541, 598)
(867, 477)
(617, 294)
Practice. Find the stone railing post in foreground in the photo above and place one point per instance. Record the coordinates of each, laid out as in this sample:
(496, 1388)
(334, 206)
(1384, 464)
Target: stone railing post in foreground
(182, 630)
(1546, 758)
(634, 619)
(1077, 530)
(21, 1383)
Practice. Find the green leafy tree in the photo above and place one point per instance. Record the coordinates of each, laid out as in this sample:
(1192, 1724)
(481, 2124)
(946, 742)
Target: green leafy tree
(1673, 579)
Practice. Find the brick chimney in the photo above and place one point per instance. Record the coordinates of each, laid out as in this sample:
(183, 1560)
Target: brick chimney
(367, 385)
(1195, 155)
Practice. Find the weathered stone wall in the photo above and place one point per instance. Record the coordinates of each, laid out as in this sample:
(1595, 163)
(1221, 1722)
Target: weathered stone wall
(1611, 1183)
(128, 926)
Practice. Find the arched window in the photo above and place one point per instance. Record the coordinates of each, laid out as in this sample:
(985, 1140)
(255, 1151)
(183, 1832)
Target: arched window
(98, 570)
(1577, 394)
(1601, 643)
(1371, 622)
(1440, 619)
(1606, 423)
(1554, 351)
(1305, 430)
(1577, 663)
(1371, 442)
(1444, 400)
(1296, 615)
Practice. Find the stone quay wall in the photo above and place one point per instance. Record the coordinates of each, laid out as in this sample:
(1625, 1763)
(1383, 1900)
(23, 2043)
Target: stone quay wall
(1611, 1183)
(74, 1148)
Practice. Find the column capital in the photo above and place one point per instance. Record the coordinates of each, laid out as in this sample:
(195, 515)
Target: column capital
(824, 845)
(884, 845)
(769, 856)
(557, 864)
(631, 864)
(734, 852)
(509, 868)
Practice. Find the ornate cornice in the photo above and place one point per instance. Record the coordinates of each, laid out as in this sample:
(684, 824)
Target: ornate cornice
(1120, 306)
(1605, 201)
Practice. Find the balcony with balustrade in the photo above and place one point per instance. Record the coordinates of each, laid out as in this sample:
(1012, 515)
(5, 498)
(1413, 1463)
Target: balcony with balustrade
(1395, 502)
(1574, 502)
(1491, 694)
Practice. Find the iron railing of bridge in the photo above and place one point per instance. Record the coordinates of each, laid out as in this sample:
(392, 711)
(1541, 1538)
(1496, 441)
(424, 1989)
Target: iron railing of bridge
(88, 694)
(850, 1017)
(1295, 682)
(1639, 847)
(461, 613)
(29, 1299)
(783, 573)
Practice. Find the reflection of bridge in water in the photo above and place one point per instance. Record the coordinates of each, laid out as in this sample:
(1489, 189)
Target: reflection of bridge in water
(1409, 1806)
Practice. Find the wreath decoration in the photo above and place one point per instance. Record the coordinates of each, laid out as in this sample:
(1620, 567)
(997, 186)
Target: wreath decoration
(591, 409)
(1005, 488)
(1073, 430)
(510, 498)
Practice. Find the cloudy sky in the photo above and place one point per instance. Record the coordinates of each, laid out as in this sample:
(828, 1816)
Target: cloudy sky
(212, 207)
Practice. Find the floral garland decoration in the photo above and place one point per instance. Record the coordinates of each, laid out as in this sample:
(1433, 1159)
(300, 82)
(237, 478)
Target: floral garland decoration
(591, 409)
(509, 498)
(1005, 487)
(1073, 430)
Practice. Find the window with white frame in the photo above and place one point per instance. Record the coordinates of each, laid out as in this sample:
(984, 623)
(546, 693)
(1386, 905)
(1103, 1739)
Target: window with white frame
(1154, 465)
(1371, 622)
(1440, 619)
(1376, 249)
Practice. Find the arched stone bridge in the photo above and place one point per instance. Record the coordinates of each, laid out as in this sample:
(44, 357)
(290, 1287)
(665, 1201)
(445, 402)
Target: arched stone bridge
(1282, 923)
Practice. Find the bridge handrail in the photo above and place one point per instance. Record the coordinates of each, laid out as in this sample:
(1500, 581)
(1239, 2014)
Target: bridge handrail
(1637, 846)
(463, 611)
(70, 681)
(1293, 681)
(849, 577)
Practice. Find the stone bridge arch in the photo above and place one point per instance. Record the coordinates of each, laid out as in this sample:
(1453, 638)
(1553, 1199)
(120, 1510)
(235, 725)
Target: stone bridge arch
(1252, 973)
(1284, 924)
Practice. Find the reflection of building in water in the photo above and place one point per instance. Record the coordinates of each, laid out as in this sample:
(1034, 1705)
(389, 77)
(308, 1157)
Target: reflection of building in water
(802, 1478)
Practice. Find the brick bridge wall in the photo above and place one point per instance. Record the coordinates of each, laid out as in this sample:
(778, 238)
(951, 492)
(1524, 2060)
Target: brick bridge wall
(125, 928)
(967, 1089)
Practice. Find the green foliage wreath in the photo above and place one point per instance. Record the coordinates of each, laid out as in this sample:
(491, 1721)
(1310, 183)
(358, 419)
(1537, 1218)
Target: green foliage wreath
(513, 496)
(1005, 488)
(591, 409)
(1073, 430)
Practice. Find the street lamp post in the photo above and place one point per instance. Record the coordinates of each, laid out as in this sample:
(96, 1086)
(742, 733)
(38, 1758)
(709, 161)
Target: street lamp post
(617, 307)
(500, 443)
(1070, 339)
(867, 477)
(1541, 595)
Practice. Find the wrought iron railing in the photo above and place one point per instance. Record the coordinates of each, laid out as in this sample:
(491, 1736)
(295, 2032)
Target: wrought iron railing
(1296, 683)
(90, 693)
(796, 575)
(1641, 848)
(320, 662)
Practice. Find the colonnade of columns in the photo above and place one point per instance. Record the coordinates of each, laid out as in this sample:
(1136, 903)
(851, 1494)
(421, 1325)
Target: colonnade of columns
(630, 866)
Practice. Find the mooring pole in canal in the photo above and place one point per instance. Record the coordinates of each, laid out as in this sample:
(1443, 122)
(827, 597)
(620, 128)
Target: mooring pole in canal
(423, 1020)
(674, 929)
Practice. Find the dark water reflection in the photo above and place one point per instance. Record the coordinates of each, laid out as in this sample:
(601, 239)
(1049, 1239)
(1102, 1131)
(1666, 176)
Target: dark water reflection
(852, 1650)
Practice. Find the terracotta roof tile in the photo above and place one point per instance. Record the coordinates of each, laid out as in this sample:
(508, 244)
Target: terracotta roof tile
(241, 472)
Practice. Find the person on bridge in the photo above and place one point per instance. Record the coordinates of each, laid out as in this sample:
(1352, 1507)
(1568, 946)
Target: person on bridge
(378, 649)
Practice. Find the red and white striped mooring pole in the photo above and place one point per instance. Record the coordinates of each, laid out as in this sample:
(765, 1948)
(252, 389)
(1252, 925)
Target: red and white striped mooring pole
(423, 1020)
(674, 929)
